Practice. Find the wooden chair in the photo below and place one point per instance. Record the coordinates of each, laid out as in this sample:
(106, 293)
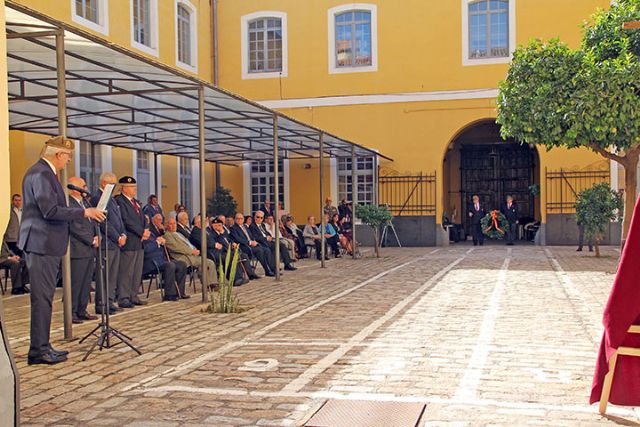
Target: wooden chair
(608, 379)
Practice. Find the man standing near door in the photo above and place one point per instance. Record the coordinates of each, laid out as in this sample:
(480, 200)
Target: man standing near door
(510, 211)
(476, 213)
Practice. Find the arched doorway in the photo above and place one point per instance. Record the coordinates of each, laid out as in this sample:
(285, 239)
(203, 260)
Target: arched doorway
(478, 161)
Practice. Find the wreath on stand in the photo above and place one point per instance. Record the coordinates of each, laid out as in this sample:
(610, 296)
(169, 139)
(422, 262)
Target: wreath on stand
(494, 225)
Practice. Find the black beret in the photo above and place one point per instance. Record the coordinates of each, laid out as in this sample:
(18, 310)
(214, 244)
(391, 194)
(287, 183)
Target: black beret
(216, 221)
(127, 180)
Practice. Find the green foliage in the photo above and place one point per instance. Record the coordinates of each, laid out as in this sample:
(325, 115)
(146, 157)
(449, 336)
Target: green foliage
(225, 301)
(596, 208)
(557, 96)
(489, 229)
(372, 215)
(222, 203)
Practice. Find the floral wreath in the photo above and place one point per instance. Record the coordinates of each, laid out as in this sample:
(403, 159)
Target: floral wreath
(494, 225)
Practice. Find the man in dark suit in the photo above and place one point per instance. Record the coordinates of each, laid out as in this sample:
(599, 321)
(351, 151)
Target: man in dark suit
(476, 213)
(13, 228)
(260, 234)
(44, 238)
(183, 224)
(196, 238)
(156, 259)
(221, 245)
(18, 268)
(84, 242)
(510, 211)
(132, 259)
(115, 239)
(241, 235)
(266, 208)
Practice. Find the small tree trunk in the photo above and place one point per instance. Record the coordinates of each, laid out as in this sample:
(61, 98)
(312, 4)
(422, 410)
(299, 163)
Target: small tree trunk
(630, 181)
(596, 243)
(376, 238)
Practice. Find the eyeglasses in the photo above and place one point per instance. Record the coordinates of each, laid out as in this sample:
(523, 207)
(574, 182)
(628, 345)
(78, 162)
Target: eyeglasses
(259, 217)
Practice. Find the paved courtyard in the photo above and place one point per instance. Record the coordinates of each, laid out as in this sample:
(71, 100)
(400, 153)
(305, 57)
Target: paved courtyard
(483, 336)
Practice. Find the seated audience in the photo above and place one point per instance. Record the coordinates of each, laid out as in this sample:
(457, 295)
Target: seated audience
(291, 231)
(332, 236)
(156, 227)
(338, 225)
(228, 224)
(270, 225)
(183, 224)
(157, 260)
(260, 234)
(196, 238)
(312, 237)
(240, 234)
(221, 245)
(18, 269)
(152, 207)
(181, 249)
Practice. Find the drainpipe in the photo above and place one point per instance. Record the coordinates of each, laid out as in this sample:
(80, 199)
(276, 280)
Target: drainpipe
(214, 48)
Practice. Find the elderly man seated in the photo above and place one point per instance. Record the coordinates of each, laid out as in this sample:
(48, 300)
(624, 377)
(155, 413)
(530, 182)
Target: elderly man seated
(181, 249)
(18, 268)
(156, 259)
(183, 224)
(221, 245)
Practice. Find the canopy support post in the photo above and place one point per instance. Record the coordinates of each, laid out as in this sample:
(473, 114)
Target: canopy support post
(203, 194)
(276, 197)
(156, 184)
(322, 223)
(62, 130)
(354, 200)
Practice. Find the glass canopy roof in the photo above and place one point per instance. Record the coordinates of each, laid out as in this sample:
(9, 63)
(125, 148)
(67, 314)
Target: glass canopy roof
(116, 97)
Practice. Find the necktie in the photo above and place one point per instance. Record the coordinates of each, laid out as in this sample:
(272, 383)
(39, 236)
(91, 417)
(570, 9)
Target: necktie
(477, 207)
(244, 230)
(135, 205)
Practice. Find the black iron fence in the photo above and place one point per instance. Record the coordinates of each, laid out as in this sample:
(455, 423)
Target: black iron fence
(563, 187)
(409, 195)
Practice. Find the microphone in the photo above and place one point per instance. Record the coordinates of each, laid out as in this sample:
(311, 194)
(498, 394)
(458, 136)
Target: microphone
(82, 191)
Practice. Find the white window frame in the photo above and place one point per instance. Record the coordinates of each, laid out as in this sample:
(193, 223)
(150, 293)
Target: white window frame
(101, 27)
(152, 50)
(194, 35)
(466, 61)
(195, 185)
(152, 174)
(373, 10)
(244, 50)
(347, 174)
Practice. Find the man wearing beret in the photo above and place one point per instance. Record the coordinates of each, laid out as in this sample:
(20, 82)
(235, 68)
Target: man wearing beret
(132, 260)
(44, 238)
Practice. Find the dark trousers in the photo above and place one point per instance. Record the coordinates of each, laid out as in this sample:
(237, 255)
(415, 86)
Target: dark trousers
(81, 276)
(19, 273)
(319, 249)
(173, 278)
(284, 253)
(130, 275)
(113, 262)
(512, 230)
(264, 257)
(333, 243)
(477, 234)
(13, 247)
(43, 271)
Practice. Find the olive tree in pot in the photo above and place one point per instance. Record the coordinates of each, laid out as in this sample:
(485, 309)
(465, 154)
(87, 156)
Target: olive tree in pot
(375, 217)
(595, 209)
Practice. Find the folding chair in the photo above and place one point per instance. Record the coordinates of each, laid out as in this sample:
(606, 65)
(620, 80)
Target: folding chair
(192, 271)
(153, 277)
(310, 250)
(608, 379)
(4, 284)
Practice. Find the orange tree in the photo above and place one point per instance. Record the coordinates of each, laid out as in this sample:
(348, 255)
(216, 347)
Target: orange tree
(587, 97)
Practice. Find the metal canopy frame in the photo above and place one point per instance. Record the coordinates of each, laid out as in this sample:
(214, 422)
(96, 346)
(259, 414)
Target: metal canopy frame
(65, 81)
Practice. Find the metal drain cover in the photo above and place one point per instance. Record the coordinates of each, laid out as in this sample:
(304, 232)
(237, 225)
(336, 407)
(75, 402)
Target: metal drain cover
(364, 413)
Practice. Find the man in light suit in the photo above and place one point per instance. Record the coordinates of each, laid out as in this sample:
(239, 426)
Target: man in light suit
(181, 249)
(132, 257)
(115, 239)
(44, 238)
(84, 242)
(13, 228)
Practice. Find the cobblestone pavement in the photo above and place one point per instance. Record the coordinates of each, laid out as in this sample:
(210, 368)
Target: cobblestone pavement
(484, 336)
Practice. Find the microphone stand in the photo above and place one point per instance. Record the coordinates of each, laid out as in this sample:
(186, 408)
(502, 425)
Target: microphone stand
(106, 331)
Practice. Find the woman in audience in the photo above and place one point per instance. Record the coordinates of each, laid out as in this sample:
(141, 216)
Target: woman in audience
(332, 235)
(291, 231)
(312, 237)
(248, 220)
(338, 225)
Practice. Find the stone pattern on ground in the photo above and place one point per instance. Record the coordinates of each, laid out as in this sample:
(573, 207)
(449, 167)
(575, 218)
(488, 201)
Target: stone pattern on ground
(484, 336)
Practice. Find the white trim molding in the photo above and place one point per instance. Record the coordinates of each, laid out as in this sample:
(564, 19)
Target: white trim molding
(102, 26)
(466, 61)
(244, 48)
(193, 26)
(195, 185)
(107, 162)
(391, 98)
(154, 49)
(331, 18)
(333, 179)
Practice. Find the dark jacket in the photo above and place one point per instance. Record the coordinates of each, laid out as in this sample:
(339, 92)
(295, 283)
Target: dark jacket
(267, 211)
(239, 237)
(196, 240)
(510, 213)
(154, 256)
(186, 232)
(82, 233)
(150, 210)
(113, 225)
(45, 216)
(476, 215)
(13, 228)
(134, 222)
(259, 234)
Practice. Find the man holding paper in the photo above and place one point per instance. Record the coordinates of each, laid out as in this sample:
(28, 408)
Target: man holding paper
(44, 238)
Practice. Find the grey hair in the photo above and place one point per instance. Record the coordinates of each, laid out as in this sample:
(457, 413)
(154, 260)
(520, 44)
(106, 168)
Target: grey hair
(183, 215)
(106, 175)
(50, 151)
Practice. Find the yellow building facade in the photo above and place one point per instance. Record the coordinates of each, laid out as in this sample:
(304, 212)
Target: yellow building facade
(416, 80)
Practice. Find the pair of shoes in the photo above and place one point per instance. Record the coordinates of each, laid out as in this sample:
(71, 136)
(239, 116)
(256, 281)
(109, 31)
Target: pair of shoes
(509, 244)
(76, 320)
(241, 282)
(270, 274)
(590, 250)
(125, 304)
(87, 316)
(139, 302)
(185, 296)
(290, 267)
(579, 250)
(171, 298)
(214, 287)
(254, 277)
(58, 352)
(49, 358)
(19, 291)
